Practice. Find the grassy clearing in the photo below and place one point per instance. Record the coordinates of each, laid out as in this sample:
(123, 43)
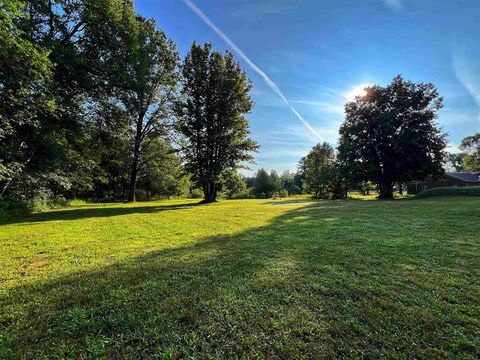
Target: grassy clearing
(250, 278)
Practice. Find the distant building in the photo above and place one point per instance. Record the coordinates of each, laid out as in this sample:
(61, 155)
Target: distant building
(450, 179)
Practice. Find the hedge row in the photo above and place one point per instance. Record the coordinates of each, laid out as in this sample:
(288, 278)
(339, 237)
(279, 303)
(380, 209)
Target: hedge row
(448, 191)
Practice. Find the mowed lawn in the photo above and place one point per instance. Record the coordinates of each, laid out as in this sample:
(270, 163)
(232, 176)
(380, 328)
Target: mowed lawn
(270, 279)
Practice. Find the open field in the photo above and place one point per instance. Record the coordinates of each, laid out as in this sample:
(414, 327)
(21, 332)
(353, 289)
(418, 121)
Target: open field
(289, 278)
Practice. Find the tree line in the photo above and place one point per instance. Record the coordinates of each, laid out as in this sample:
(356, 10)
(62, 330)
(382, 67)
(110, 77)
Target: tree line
(95, 103)
(468, 159)
(389, 137)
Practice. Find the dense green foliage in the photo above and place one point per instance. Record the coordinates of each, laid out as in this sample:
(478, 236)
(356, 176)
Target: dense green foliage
(87, 89)
(234, 185)
(390, 135)
(323, 177)
(25, 75)
(450, 191)
(145, 88)
(265, 184)
(471, 146)
(291, 183)
(214, 99)
(283, 279)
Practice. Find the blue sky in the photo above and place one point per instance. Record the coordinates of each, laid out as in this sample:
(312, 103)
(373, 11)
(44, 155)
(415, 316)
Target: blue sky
(306, 57)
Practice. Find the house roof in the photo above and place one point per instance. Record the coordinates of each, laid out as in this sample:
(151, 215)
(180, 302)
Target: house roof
(465, 177)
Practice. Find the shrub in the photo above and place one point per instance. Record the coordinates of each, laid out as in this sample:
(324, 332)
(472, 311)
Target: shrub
(77, 202)
(10, 208)
(15, 208)
(244, 194)
(196, 194)
(282, 192)
(41, 203)
(449, 191)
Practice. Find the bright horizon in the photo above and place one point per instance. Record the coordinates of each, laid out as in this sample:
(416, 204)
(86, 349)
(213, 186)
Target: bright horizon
(307, 59)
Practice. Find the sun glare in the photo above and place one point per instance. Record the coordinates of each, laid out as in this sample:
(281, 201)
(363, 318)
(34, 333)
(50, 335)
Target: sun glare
(358, 90)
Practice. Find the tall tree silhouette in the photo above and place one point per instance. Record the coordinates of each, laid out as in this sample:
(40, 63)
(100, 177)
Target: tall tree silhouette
(390, 135)
(214, 99)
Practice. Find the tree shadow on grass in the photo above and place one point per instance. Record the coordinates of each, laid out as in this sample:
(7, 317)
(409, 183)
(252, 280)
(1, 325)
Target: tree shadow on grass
(91, 211)
(321, 202)
(303, 286)
(291, 201)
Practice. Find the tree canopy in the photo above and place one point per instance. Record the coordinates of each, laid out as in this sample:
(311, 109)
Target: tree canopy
(86, 87)
(471, 146)
(390, 135)
(265, 185)
(323, 178)
(25, 76)
(95, 103)
(210, 116)
(145, 89)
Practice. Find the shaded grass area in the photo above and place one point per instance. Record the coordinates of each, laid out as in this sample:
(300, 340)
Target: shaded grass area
(450, 191)
(246, 278)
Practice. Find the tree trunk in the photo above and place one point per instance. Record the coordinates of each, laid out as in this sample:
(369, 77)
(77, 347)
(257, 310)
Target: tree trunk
(133, 181)
(132, 186)
(386, 189)
(210, 192)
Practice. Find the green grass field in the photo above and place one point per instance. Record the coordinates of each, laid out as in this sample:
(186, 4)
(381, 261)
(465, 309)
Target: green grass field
(289, 278)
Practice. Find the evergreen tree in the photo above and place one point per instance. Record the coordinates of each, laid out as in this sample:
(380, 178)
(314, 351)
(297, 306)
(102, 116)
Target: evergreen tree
(262, 184)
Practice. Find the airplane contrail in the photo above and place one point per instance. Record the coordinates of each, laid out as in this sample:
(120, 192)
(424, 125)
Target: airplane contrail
(239, 51)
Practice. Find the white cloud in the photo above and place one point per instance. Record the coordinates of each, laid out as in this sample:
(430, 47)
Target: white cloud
(240, 52)
(394, 4)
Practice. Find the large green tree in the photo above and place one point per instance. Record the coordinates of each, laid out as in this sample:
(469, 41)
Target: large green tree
(210, 116)
(323, 176)
(85, 86)
(263, 184)
(318, 165)
(145, 88)
(390, 135)
(55, 52)
(471, 146)
(25, 75)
